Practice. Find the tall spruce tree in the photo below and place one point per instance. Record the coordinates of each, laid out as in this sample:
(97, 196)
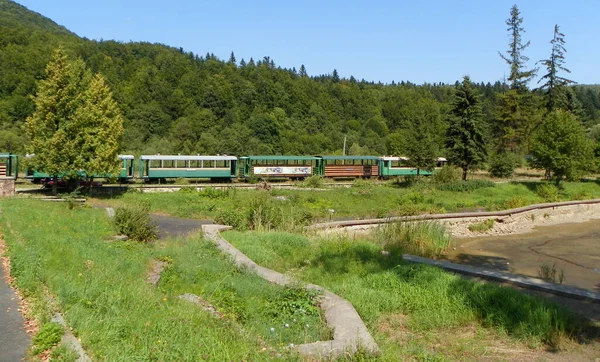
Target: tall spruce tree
(99, 130)
(553, 83)
(465, 137)
(52, 127)
(519, 75)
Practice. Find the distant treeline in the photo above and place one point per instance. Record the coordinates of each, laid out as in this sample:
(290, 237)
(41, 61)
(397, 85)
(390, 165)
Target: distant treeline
(175, 101)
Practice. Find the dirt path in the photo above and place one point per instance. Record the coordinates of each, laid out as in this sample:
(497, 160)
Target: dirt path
(169, 226)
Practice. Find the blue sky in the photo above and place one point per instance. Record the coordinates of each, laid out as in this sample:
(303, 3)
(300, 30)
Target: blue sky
(420, 41)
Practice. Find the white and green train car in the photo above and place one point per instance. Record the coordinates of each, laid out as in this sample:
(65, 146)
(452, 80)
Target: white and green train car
(158, 168)
(399, 166)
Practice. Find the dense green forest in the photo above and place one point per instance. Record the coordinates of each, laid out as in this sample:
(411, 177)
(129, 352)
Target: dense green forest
(174, 101)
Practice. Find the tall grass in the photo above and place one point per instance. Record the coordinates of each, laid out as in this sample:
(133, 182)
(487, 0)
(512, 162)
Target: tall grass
(427, 238)
(428, 299)
(100, 287)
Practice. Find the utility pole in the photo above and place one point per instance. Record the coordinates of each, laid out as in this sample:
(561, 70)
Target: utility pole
(344, 149)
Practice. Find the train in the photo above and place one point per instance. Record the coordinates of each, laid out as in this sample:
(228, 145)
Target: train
(224, 168)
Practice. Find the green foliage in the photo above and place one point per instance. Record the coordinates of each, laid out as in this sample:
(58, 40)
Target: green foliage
(464, 186)
(548, 192)
(503, 164)
(48, 336)
(428, 239)
(234, 218)
(483, 226)
(561, 147)
(465, 138)
(135, 222)
(447, 173)
(516, 60)
(314, 182)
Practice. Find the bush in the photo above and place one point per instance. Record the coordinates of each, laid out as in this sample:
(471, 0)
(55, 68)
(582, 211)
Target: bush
(446, 174)
(548, 192)
(135, 222)
(503, 164)
(465, 186)
(314, 182)
(233, 218)
(424, 238)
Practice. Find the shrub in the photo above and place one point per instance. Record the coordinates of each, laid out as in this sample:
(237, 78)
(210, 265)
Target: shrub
(135, 222)
(48, 337)
(446, 174)
(233, 218)
(548, 192)
(314, 182)
(483, 226)
(514, 202)
(503, 164)
(465, 186)
(424, 238)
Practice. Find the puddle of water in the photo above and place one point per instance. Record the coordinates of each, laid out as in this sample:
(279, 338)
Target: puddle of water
(573, 248)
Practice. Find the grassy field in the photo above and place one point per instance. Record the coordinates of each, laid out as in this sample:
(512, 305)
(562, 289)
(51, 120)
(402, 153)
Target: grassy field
(101, 289)
(417, 311)
(241, 208)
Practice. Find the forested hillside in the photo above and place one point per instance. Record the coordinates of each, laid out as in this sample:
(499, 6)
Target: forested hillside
(175, 101)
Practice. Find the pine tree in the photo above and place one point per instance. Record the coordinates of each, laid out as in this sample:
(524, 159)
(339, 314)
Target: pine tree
(99, 126)
(465, 139)
(50, 128)
(335, 77)
(303, 71)
(232, 59)
(519, 76)
(242, 63)
(554, 84)
(251, 62)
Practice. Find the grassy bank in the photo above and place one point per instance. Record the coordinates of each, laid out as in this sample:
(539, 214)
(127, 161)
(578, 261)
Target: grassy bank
(101, 289)
(364, 200)
(416, 311)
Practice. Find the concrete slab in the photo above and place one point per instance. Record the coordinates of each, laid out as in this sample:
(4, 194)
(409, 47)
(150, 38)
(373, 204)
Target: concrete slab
(14, 341)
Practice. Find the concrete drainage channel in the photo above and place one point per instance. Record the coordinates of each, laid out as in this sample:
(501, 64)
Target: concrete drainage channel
(499, 276)
(349, 331)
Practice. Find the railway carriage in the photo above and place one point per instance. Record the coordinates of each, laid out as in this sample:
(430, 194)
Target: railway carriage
(349, 166)
(125, 175)
(269, 167)
(9, 165)
(399, 166)
(157, 168)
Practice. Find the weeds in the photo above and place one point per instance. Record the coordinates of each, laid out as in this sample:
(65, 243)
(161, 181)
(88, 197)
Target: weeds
(135, 222)
(429, 239)
(483, 226)
(464, 186)
(548, 192)
(314, 181)
(48, 336)
(550, 274)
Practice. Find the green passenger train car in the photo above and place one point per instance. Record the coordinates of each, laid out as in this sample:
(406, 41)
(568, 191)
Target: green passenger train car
(399, 166)
(126, 172)
(160, 167)
(9, 165)
(349, 166)
(294, 167)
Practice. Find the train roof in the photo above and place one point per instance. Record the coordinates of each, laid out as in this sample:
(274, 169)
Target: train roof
(391, 158)
(125, 157)
(188, 158)
(281, 158)
(349, 157)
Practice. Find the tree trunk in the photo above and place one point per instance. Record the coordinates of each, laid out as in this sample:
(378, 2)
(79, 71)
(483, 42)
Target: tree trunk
(90, 186)
(55, 185)
(465, 171)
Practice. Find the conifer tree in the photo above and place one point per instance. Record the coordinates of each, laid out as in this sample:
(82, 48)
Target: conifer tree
(303, 71)
(99, 126)
(554, 84)
(519, 76)
(232, 59)
(50, 128)
(465, 139)
(335, 77)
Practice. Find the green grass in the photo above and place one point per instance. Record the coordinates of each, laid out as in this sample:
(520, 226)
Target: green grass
(364, 200)
(428, 239)
(100, 288)
(483, 226)
(429, 300)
